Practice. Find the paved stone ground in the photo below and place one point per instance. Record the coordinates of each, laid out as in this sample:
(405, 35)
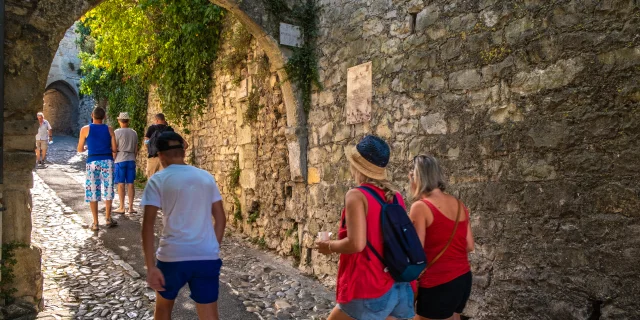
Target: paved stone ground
(85, 279)
(82, 279)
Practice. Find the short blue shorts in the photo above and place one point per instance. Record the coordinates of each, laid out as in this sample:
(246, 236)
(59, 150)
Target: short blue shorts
(203, 277)
(125, 172)
(397, 302)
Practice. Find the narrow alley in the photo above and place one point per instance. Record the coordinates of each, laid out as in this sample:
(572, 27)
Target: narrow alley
(101, 275)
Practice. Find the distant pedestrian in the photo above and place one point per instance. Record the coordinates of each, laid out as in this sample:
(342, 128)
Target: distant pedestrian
(153, 132)
(193, 226)
(364, 289)
(125, 162)
(442, 223)
(44, 136)
(101, 146)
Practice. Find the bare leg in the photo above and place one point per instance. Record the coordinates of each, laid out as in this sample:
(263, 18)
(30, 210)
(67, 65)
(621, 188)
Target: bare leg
(207, 311)
(44, 154)
(108, 204)
(456, 316)
(94, 211)
(132, 193)
(164, 308)
(37, 155)
(337, 314)
(121, 197)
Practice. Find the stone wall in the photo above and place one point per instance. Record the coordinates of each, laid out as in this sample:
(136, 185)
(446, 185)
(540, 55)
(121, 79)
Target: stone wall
(532, 107)
(247, 155)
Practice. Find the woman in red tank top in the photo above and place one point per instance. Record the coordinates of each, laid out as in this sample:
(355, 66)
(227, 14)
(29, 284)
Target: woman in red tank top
(365, 291)
(442, 223)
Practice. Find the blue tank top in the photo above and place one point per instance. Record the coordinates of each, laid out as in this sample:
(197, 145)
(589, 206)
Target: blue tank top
(99, 143)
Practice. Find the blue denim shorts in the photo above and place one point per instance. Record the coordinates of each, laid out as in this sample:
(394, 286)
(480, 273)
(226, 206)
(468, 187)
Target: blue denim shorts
(397, 302)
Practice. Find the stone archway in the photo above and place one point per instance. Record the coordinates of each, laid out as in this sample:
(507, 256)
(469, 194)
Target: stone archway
(60, 107)
(33, 32)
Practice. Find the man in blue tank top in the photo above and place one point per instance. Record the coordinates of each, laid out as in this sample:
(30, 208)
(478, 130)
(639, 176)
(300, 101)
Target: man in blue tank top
(101, 146)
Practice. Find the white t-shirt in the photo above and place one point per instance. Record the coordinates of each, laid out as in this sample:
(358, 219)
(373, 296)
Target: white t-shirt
(43, 131)
(185, 195)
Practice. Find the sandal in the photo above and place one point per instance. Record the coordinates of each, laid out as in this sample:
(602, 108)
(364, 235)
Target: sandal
(111, 223)
(119, 212)
(94, 227)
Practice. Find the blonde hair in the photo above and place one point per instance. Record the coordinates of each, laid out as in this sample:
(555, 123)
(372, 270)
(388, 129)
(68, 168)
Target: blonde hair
(427, 176)
(390, 190)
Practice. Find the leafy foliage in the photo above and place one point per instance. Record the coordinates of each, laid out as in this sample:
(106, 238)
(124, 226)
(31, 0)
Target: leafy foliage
(6, 271)
(128, 45)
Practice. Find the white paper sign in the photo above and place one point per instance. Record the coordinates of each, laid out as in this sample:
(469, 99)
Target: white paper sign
(359, 93)
(290, 35)
(243, 89)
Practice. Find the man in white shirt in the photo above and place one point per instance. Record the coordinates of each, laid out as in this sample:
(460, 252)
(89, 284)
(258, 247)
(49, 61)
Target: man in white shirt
(45, 134)
(189, 247)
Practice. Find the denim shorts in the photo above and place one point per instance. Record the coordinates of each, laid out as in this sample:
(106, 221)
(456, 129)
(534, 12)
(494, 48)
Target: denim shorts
(397, 302)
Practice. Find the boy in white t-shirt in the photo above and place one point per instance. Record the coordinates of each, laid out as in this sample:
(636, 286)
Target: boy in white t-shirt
(190, 242)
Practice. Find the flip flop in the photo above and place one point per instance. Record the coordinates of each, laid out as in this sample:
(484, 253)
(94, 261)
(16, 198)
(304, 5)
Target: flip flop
(119, 212)
(132, 211)
(94, 227)
(111, 223)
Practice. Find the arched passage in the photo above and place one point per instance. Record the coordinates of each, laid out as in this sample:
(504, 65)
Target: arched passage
(60, 107)
(33, 33)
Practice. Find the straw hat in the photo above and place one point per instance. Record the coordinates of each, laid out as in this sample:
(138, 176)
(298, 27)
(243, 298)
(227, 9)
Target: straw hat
(123, 116)
(370, 156)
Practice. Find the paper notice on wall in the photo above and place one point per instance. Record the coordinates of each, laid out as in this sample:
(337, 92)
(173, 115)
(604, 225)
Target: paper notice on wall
(359, 93)
(243, 89)
(290, 35)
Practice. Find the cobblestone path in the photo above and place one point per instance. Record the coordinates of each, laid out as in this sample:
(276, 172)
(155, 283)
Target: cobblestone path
(82, 279)
(86, 280)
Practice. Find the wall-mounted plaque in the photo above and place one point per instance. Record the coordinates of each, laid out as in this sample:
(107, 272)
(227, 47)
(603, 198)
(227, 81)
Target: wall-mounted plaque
(243, 89)
(290, 35)
(359, 93)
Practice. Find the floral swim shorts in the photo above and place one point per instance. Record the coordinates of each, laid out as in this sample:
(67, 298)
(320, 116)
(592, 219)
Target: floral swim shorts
(99, 183)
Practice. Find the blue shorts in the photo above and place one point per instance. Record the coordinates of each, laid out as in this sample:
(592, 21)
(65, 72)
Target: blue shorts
(397, 302)
(202, 276)
(125, 172)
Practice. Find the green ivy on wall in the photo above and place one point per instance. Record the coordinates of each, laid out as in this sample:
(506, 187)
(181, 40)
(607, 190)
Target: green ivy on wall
(127, 45)
(302, 66)
(6, 271)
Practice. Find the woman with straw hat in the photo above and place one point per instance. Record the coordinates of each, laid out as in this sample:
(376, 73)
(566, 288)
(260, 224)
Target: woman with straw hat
(364, 290)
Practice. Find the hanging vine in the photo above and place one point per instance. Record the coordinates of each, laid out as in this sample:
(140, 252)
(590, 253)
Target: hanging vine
(302, 66)
(128, 45)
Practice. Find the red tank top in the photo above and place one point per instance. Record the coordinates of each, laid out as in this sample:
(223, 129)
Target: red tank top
(361, 275)
(455, 261)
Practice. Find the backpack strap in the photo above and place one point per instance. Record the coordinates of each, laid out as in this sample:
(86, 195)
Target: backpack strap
(381, 201)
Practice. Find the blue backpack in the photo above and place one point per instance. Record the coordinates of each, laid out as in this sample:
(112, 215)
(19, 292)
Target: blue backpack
(403, 257)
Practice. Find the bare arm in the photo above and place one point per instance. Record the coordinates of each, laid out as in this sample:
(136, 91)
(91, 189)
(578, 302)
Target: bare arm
(114, 146)
(50, 134)
(356, 215)
(155, 278)
(417, 216)
(82, 138)
(148, 237)
(220, 220)
(471, 244)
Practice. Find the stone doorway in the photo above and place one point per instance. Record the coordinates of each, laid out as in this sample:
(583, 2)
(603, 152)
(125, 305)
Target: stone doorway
(33, 34)
(60, 108)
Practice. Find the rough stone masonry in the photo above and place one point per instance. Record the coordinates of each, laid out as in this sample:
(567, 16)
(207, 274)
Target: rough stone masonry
(532, 106)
